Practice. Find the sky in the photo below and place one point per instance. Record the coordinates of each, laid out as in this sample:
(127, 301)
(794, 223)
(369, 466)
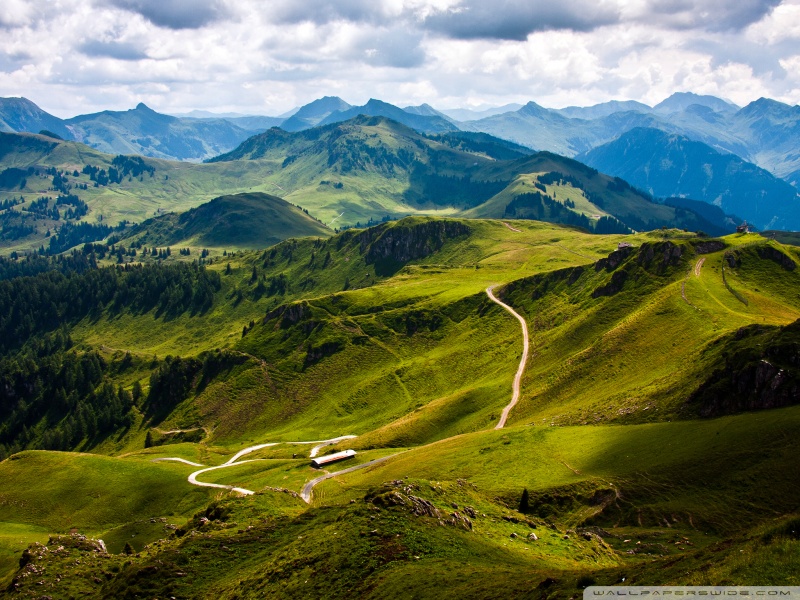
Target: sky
(255, 57)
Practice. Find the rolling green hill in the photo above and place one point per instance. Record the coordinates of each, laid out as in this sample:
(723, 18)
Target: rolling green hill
(254, 220)
(642, 444)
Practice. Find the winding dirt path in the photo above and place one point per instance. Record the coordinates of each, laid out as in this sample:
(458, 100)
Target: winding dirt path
(308, 488)
(511, 228)
(234, 461)
(522, 362)
(699, 266)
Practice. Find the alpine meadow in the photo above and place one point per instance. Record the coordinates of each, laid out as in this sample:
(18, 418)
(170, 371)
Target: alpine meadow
(381, 350)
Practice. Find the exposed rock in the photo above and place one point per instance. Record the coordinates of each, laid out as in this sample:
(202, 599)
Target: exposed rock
(659, 255)
(459, 520)
(289, 314)
(771, 253)
(613, 260)
(395, 245)
(614, 286)
(533, 537)
(709, 246)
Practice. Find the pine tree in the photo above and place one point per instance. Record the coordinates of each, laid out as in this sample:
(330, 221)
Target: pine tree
(524, 505)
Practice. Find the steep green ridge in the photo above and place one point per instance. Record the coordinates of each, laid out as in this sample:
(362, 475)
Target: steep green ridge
(253, 220)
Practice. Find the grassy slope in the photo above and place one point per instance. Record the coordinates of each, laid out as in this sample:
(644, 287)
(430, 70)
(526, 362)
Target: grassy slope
(647, 338)
(342, 174)
(252, 220)
(399, 386)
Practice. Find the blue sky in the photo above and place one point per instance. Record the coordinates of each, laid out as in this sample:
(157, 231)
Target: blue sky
(249, 56)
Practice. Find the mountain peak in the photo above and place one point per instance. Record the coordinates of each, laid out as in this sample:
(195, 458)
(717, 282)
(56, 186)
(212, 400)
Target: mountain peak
(680, 101)
(143, 107)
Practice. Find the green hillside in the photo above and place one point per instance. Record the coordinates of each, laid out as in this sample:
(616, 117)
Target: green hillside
(253, 220)
(655, 437)
(358, 172)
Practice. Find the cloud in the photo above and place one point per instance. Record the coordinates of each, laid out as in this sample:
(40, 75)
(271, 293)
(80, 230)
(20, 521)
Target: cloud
(713, 15)
(113, 49)
(327, 11)
(516, 19)
(175, 14)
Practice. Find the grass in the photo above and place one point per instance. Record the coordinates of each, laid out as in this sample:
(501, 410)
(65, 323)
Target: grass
(92, 492)
(691, 472)
(418, 359)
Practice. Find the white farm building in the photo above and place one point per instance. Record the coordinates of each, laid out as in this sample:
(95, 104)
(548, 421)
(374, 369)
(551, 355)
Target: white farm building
(332, 458)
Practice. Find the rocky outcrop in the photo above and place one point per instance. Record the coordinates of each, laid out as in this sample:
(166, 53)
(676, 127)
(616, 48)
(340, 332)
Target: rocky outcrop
(659, 256)
(316, 354)
(288, 314)
(614, 286)
(761, 370)
(757, 386)
(775, 255)
(391, 246)
(613, 260)
(709, 246)
(400, 494)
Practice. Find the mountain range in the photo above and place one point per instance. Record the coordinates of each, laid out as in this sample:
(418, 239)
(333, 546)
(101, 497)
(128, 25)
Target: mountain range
(764, 132)
(668, 165)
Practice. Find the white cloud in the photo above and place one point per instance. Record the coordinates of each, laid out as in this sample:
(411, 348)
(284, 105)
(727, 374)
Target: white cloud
(250, 56)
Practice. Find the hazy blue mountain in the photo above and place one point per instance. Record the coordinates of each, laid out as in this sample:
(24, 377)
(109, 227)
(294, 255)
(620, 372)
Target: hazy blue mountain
(256, 123)
(313, 113)
(22, 115)
(377, 108)
(771, 131)
(604, 109)
(426, 110)
(207, 114)
(669, 165)
(144, 131)
(545, 129)
(466, 114)
(680, 101)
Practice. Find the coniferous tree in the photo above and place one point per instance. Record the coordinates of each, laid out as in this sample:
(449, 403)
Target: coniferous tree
(524, 502)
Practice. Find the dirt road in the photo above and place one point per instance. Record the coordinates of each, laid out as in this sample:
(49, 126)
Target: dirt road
(305, 493)
(522, 362)
(234, 461)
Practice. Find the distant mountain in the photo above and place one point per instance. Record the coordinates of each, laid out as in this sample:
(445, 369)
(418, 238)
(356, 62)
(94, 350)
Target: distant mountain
(544, 129)
(680, 101)
(144, 131)
(466, 114)
(765, 132)
(250, 220)
(20, 114)
(343, 164)
(426, 110)
(207, 114)
(256, 123)
(771, 131)
(672, 165)
(605, 109)
(313, 113)
(377, 108)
